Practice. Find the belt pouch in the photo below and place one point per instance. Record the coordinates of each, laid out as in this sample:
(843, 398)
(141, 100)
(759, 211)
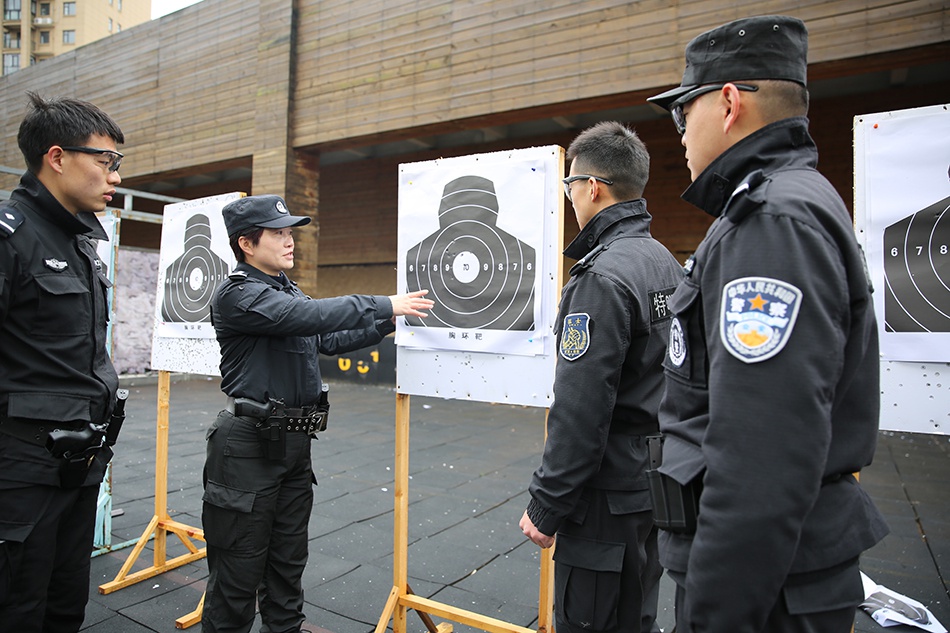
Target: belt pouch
(273, 438)
(675, 506)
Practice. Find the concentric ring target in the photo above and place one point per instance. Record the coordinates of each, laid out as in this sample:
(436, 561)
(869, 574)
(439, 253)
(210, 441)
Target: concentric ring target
(191, 280)
(478, 275)
(917, 271)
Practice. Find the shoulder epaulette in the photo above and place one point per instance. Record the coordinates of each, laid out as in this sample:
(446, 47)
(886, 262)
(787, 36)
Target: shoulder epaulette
(587, 260)
(10, 221)
(746, 187)
(238, 275)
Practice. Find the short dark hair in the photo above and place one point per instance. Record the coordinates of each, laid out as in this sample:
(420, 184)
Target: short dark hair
(613, 151)
(253, 234)
(61, 121)
(778, 99)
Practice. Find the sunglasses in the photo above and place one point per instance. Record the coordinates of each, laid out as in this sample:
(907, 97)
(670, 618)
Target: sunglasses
(676, 108)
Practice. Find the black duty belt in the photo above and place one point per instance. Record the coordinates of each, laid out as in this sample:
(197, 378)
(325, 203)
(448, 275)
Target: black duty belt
(35, 431)
(300, 419)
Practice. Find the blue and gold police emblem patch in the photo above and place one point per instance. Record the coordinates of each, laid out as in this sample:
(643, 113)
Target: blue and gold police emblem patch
(575, 337)
(758, 314)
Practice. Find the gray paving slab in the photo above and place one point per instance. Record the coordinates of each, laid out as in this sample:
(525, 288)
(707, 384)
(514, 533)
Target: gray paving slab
(470, 464)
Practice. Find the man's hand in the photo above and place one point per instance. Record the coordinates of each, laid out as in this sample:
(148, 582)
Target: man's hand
(411, 304)
(541, 540)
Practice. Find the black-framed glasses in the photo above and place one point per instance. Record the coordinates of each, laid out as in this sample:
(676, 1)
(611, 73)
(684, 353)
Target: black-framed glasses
(676, 108)
(115, 158)
(567, 183)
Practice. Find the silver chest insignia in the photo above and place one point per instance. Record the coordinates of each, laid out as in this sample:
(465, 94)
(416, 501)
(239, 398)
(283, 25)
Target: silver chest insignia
(758, 314)
(575, 338)
(54, 264)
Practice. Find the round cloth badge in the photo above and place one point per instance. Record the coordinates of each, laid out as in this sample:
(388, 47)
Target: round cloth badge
(575, 337)
(677, 346)
(758, 314)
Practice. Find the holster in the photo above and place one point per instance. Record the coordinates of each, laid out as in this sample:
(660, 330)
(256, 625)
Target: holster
(675, 506)
(74, 468)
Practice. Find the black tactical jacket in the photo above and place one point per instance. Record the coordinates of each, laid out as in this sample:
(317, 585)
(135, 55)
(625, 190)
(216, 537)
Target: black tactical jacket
(612, 326)
(772, 386)
(270, 334)
(53, 317)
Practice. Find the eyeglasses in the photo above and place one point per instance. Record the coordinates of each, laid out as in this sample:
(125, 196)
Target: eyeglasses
(676, 108)
(567, 183)
(115, 158)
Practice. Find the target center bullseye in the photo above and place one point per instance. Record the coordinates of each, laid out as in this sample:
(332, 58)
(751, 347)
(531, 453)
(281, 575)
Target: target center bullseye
(465, 267)
(196, 279)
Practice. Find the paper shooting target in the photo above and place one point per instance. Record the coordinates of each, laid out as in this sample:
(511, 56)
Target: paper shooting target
(190, 280)
(917, 271)
(478, 275)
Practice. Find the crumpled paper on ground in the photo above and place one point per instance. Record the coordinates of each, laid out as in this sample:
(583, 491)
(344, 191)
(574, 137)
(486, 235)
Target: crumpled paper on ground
(889, 608)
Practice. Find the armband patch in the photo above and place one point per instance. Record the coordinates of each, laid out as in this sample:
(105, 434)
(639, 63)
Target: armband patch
(758, 314)
(575, 337)
(10, 221)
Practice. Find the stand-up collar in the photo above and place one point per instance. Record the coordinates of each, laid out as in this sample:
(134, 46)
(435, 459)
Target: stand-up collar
(594, 232)
(785, 143)
(35, 194)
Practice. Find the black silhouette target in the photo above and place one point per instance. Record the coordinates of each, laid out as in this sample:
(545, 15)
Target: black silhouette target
(917, 271)
(478, 275)
(190, 281)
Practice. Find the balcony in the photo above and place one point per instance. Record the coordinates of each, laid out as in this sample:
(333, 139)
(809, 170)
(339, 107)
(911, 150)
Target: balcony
(44, 21)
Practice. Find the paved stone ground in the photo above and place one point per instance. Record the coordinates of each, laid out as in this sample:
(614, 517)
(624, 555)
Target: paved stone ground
(470, 464)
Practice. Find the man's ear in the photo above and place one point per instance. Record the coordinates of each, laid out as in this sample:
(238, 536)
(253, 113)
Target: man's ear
(735, 109)
(53, 158)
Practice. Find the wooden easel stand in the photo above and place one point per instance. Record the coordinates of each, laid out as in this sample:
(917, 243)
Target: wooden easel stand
(161, 523)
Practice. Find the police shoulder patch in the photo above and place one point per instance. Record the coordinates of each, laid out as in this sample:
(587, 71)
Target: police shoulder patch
(575, 336)
(758, 314)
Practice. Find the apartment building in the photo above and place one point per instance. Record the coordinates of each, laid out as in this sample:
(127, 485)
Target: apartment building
(34, 30)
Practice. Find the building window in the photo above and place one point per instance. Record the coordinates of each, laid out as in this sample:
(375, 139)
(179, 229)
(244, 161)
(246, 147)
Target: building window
(69, 37)
(120, 5)
(44, 37)
(118, 27)
(44, 8)
(11, 63)
(110, 25)
(11, 11)
(69, 8)
(11, 39)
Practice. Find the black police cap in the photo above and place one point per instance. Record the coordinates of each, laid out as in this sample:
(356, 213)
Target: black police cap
(269, 212)
(761, 47)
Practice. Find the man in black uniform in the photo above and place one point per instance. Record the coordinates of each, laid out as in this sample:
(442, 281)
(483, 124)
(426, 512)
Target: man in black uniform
(258, 474)
(591, 486)
(55, 374)
(772, 395)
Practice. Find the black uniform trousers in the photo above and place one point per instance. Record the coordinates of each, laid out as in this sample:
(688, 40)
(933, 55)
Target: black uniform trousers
(606, 569)
(44, 563)
(255, 515)
(779, 621)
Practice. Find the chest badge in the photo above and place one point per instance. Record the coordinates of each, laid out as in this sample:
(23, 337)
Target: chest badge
(575, 338)
(54, 264)
(758, 315)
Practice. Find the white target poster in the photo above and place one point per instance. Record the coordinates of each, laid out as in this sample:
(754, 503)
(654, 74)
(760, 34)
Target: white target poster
(905, 182)
(482, 234)
(195, 258)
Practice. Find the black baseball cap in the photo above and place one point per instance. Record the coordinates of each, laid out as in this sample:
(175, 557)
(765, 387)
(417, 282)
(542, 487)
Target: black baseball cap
(761, 47)
(269, 212)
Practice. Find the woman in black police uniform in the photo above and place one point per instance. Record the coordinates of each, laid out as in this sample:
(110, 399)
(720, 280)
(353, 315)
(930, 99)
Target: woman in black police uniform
(258, 474)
